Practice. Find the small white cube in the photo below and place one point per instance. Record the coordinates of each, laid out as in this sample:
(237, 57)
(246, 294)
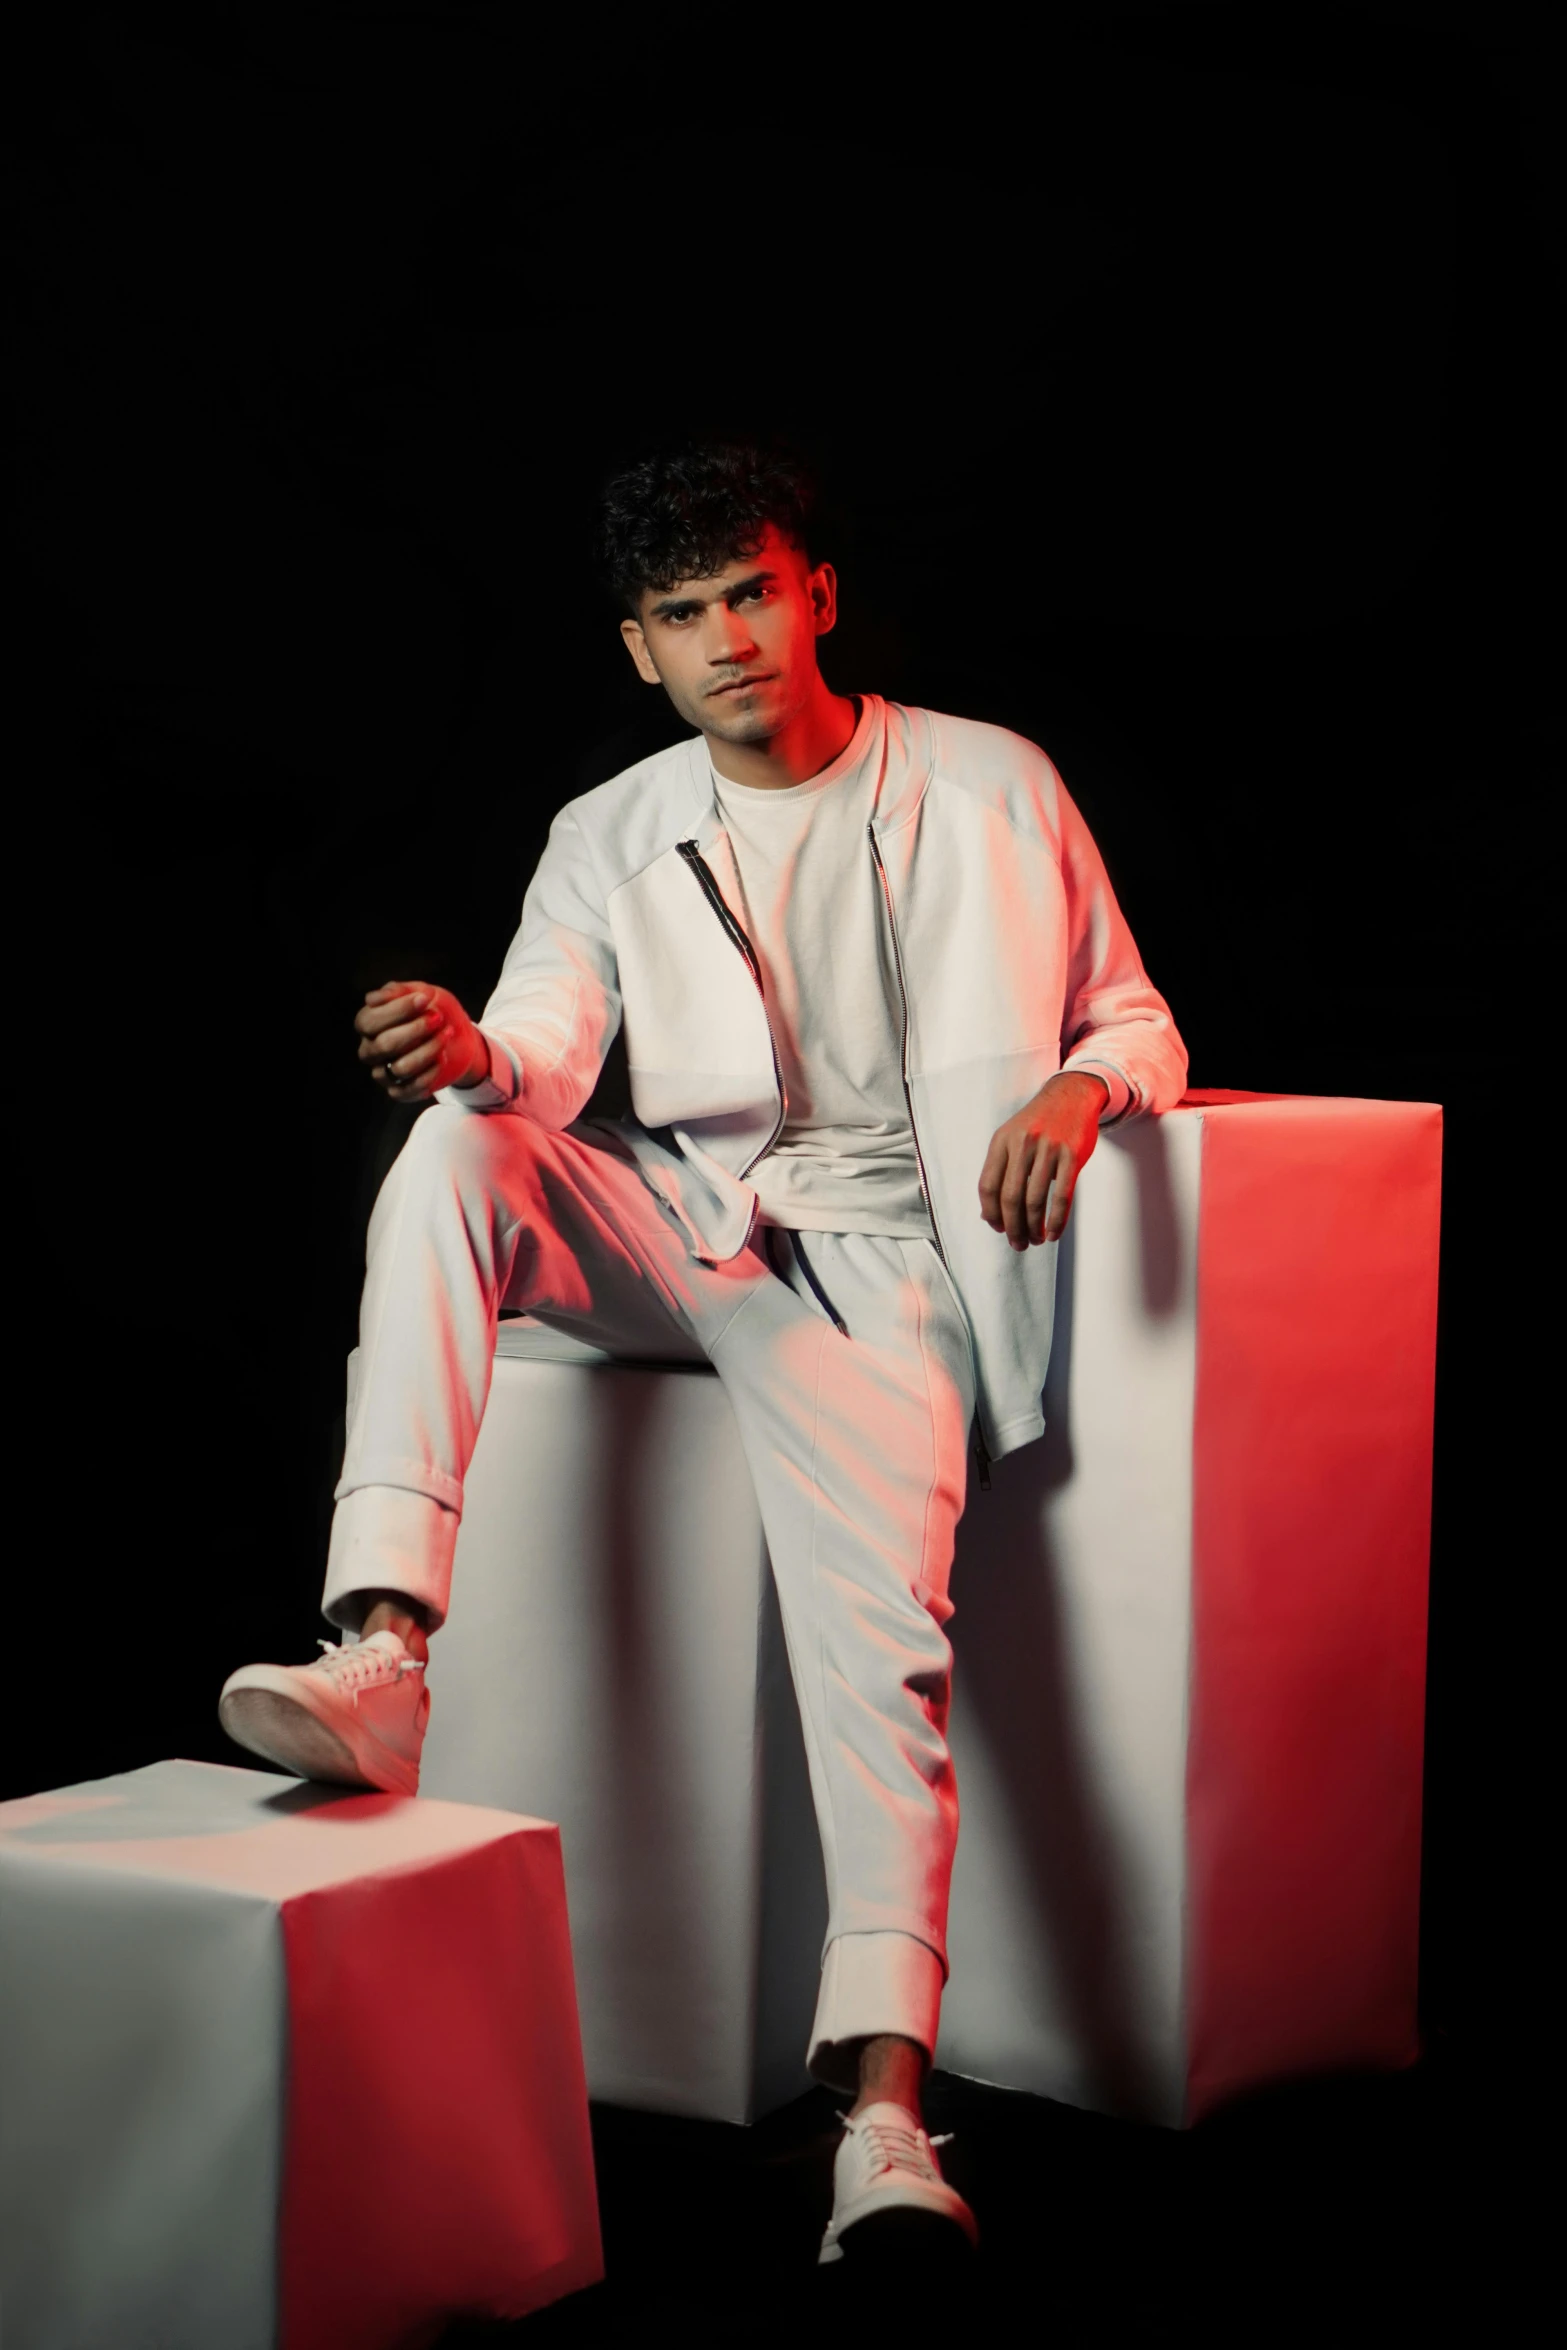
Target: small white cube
(282, 2067)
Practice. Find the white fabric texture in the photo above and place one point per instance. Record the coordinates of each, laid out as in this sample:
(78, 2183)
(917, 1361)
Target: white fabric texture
(855, 1438)
(814, 910)
(1014, 957)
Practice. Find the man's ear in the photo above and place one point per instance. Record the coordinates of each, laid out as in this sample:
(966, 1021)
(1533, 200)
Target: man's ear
(636, 646)
(823, 587)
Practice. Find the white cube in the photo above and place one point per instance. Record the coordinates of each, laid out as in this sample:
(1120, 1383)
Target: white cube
(1188, 1708)
(282, 2069)
(1190, 1642)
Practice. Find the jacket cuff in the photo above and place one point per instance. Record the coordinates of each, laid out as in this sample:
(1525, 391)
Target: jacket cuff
(499, 1091)
(1122, 1097)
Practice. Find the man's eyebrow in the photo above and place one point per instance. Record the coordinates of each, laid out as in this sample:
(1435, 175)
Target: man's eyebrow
(737, 587)
(752, 579)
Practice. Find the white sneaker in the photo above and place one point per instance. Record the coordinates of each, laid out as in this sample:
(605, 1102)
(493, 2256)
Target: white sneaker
(886, 2163)
(356, 1716)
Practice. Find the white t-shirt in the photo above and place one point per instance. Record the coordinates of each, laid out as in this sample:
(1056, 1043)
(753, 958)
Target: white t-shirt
(815, 912)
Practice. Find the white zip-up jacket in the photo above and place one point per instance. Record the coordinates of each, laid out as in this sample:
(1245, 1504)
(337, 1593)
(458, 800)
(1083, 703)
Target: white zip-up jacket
(1015, 962)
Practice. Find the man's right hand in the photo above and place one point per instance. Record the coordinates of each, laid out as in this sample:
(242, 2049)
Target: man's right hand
(415, 1038)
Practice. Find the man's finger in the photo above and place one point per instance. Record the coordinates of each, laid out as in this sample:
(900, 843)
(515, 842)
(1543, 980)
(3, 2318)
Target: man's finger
(990, 1177)
(1046, 1169)
(1061, 1197)
(373, 1019)
(395, 992)
(407, 1089)
(392, 1043)
(1014, 1190)
(401, 1067)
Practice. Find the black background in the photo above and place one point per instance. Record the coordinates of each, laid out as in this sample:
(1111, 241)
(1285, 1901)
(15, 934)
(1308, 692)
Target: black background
(1186, 382)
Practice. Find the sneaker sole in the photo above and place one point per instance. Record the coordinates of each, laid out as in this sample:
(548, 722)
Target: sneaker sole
(909, 2237)
(284, 1731)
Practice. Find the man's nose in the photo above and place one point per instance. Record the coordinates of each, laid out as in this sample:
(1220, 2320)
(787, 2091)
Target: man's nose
(729, 637)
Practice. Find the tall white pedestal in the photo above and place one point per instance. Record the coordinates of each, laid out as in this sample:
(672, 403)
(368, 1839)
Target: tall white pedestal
(1190, 1636)
(1190, 1641)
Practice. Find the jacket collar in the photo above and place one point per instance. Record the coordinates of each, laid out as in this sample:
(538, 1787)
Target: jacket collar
(900, 784)
(706, 823)
(906, 752)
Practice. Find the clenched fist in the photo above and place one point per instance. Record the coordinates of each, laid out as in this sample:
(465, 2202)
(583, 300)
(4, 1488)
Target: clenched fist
(415, 1038)
(1037, 1157)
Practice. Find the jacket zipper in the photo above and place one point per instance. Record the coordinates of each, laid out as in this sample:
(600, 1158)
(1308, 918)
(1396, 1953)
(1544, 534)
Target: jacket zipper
(715, 898)
(981, 1454)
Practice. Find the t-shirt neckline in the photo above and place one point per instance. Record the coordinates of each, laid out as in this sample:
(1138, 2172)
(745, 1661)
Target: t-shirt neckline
(848, 759)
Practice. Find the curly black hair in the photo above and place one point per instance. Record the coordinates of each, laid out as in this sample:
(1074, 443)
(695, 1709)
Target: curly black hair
(684, 514)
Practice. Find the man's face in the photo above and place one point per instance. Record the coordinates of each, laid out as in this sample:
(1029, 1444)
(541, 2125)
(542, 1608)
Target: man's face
(736, 653)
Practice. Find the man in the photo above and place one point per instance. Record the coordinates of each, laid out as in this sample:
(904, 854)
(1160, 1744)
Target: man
(877, 998)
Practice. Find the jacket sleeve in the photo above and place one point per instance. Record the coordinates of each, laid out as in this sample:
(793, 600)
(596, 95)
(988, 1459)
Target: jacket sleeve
(1115, 1022)
(556, 1006)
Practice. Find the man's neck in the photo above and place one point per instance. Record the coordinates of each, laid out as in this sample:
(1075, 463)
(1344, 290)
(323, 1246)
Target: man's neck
(811, 740)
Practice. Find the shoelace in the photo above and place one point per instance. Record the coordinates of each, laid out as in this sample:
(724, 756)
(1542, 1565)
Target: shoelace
(900, 2146)
(341, 1664)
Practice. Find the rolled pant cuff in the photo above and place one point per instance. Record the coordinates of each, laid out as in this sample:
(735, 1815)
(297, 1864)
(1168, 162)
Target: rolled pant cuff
(873, 1983)
(385, 1538)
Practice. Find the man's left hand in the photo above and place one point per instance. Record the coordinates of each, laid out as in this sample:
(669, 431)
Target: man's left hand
(1034, 1160)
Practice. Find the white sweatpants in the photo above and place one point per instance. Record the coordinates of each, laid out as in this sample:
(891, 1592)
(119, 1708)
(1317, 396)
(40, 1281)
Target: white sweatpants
(856, 1442)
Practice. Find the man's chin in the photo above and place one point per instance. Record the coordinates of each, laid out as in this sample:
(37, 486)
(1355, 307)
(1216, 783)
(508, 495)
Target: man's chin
(741, 724)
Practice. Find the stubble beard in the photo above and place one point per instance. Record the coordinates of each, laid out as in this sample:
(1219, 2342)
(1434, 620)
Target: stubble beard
(748, 727)
(753, 729)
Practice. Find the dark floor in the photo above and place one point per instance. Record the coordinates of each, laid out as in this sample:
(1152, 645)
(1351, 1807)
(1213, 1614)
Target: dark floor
(1330, 2211)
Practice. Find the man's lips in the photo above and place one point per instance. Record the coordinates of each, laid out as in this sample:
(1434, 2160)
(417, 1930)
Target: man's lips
(740, 685)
